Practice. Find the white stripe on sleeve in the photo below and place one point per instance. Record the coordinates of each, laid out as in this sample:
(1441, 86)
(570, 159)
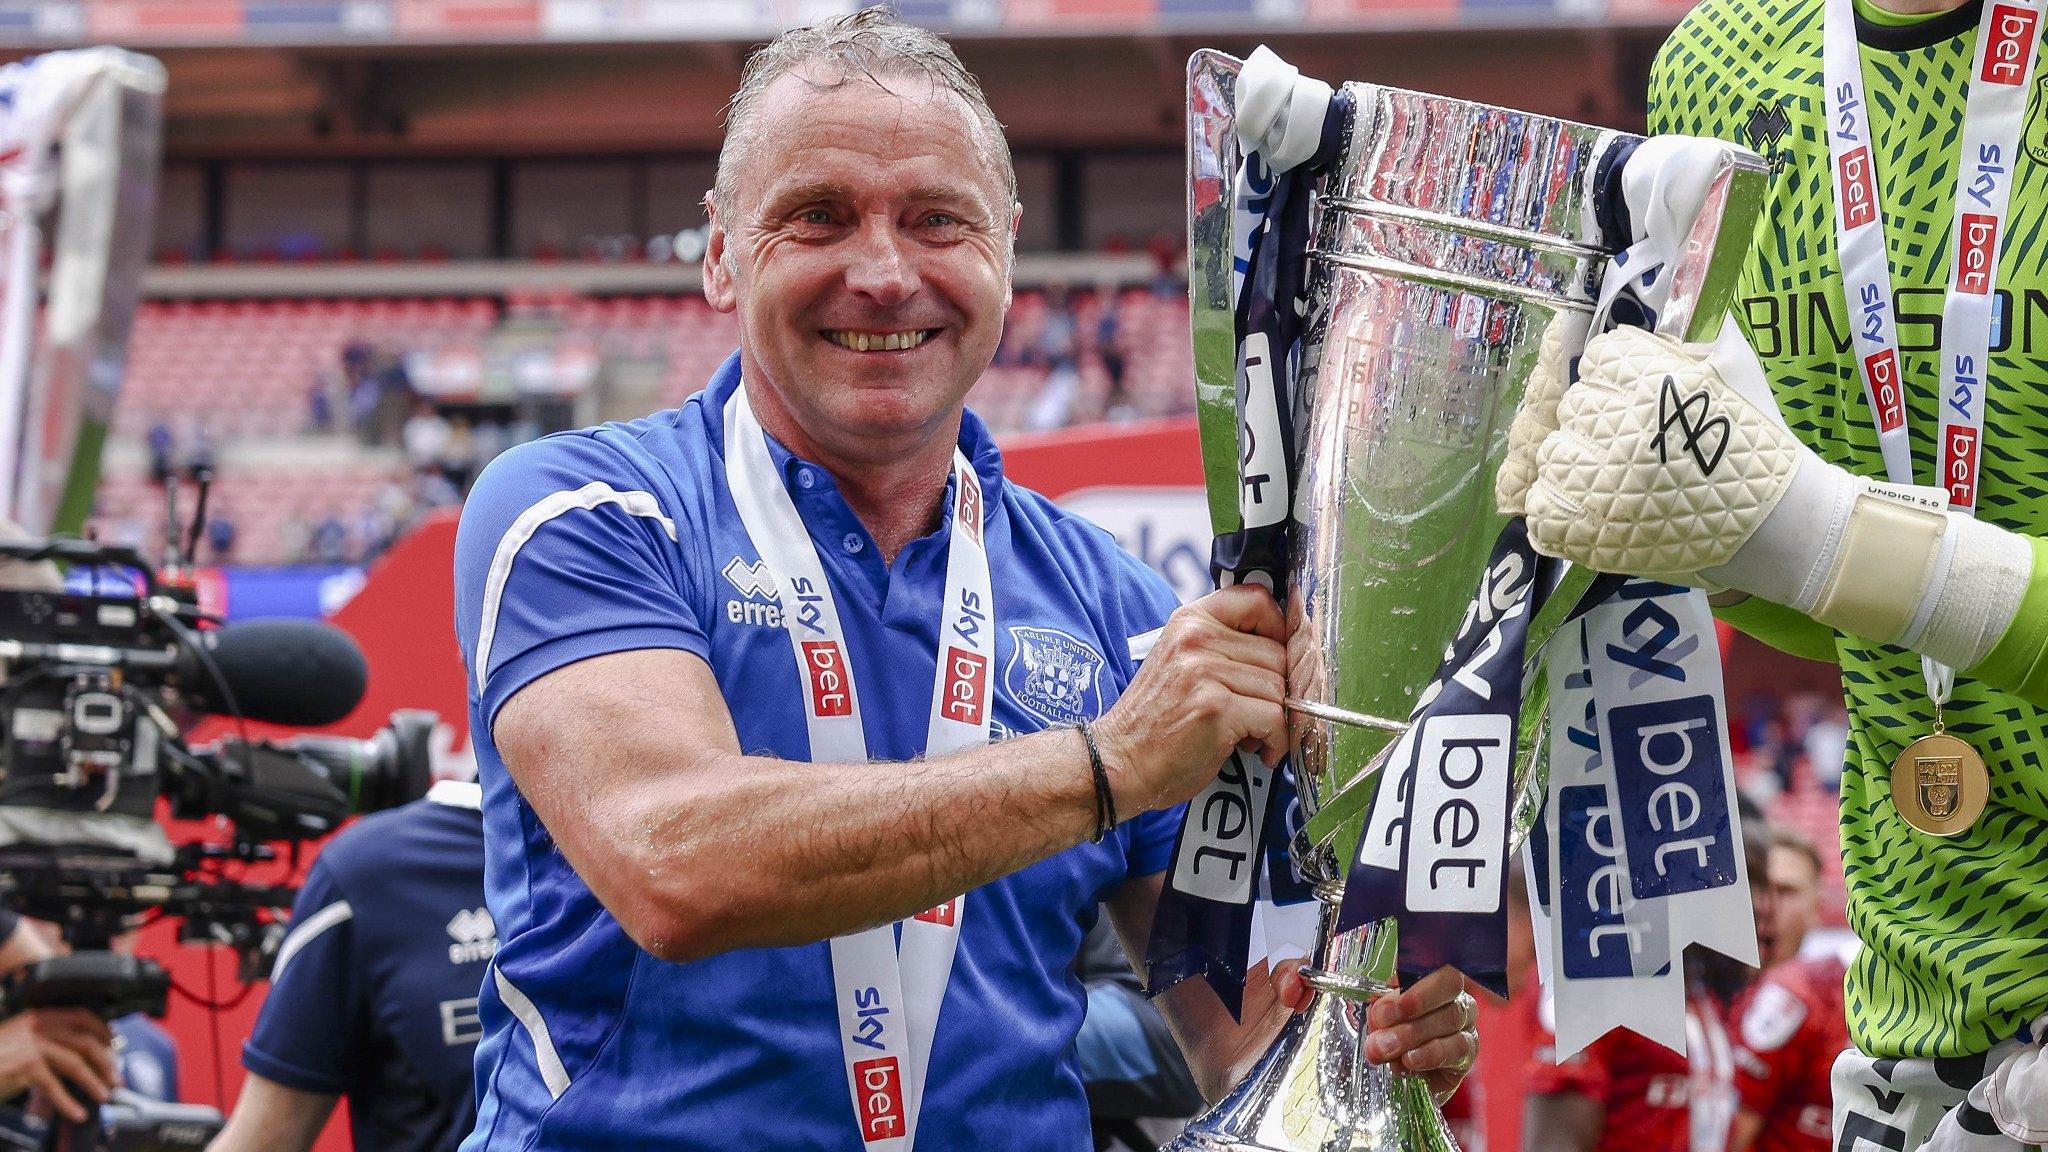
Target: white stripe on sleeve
(304, 932)
(593, 495)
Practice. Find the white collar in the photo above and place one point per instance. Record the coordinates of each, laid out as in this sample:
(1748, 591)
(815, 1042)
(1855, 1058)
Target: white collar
(457, 794)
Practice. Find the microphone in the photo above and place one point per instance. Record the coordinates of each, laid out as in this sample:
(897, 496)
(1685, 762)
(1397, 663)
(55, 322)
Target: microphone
(299, 673)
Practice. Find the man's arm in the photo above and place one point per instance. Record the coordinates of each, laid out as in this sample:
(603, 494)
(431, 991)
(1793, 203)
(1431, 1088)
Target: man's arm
(270, 1117)
(1423, 1028)
(631, 761)
(1561, 1122)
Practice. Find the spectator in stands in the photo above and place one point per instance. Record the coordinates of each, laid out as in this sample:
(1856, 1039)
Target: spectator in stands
(163, 447)
(432, 489)
(1109, 348)
(1827, 744)
(327, 395)
(220, 536)
(1059, 347)
(329, 544)
(425, 436)
(458, 456)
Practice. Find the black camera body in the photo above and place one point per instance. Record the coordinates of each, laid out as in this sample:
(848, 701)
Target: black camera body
(97, 690)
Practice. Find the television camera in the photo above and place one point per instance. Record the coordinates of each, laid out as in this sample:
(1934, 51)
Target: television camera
(100, 688)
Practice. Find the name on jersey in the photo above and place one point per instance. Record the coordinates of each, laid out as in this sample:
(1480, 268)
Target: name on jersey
(2012, 42)
(1809, 323)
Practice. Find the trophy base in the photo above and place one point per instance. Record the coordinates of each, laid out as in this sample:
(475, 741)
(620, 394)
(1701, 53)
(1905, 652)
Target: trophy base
(1313, 1091)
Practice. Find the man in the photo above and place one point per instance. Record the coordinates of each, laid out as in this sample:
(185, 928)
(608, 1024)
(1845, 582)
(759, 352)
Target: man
(1795, 871)
(703, 649)
(1791, 1026)
(66, 1055)
(1623, 1093)
(373, 994)
(1891, 315)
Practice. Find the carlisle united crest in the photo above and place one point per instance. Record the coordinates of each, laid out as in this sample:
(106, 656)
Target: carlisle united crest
(1052, 675)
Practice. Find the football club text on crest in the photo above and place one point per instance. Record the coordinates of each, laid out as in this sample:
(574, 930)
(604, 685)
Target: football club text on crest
(1052, 675)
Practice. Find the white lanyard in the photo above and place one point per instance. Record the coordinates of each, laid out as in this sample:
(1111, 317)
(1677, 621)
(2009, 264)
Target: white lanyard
(1992, 118)
(888, 996)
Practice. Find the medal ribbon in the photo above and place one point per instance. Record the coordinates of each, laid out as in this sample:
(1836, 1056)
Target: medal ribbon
(2007, 36)
(888, 994)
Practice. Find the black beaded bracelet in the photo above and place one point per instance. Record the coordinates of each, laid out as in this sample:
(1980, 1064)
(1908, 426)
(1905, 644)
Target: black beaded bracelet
(1105, 802)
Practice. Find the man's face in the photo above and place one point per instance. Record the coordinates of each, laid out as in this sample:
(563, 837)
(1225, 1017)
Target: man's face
(1795, 891)
(866, 249)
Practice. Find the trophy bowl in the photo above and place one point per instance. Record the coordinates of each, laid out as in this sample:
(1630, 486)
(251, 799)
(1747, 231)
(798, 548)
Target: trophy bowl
(1449, 238)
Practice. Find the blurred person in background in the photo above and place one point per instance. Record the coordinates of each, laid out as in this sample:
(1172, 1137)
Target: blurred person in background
(1623, 1093)
(1791, 1026)
(1795, 871)
(1140, 1090)
(1059, 349)
(373, 994)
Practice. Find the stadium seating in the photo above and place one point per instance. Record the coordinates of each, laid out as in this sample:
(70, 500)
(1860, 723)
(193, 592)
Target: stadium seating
(242, 372)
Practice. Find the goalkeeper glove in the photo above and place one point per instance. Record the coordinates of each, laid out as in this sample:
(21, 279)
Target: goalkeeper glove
(1672, 462)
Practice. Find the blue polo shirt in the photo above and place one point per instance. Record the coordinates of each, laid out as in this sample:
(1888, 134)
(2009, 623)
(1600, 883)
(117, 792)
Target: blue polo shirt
(625, 537)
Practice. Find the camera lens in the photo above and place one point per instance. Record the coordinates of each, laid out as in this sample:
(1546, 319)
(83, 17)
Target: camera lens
(388, 769)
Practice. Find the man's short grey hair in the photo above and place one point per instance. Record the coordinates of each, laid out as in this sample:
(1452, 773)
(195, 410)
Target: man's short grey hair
(871, 45)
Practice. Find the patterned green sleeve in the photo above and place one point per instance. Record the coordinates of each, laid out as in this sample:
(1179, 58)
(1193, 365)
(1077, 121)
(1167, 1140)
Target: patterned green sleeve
(2019, 662)
(1786, 629)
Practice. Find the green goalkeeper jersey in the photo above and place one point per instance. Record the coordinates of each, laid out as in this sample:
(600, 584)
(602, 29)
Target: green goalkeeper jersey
(1955, 931)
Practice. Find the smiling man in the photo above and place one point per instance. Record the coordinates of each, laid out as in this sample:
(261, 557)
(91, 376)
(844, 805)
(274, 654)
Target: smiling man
(809, 743)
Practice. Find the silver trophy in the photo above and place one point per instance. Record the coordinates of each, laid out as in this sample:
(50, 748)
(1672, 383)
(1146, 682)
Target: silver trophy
(1449, 237)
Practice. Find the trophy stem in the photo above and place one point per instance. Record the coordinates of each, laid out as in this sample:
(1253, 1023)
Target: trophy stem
(1313, 1090)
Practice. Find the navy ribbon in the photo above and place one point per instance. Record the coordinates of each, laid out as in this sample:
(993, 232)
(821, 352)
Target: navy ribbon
(1194, 935)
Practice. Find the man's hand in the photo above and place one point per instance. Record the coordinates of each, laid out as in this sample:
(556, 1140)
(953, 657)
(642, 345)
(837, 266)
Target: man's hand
(1214, 682)
(1430, 1030)
(63, 1053)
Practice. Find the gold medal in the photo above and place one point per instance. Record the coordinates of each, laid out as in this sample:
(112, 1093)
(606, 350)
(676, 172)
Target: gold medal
(1939, 784)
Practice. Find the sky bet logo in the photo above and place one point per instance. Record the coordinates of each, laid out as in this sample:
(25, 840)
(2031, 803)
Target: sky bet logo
(827, 668)
(1859, 189)
(878, 1093)
(1667, 770)
(965, 703)
(1959, 465)
(1976, 252)
(2012, 42)
(968, 513)
(1882, 369)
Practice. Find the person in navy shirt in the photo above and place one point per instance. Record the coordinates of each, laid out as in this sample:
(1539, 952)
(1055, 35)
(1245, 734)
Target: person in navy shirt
(373, 994)
(810, 744)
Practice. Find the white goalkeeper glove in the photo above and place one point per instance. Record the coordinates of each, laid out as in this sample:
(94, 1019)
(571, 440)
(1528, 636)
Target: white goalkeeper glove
(1672, 462)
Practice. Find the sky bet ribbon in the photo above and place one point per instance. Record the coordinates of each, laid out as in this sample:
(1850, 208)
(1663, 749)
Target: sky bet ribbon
(1434, 853)
(1290, 129)
(1638, 853)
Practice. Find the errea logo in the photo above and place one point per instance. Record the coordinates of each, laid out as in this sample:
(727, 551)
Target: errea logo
(475, 935)
(758, 603)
